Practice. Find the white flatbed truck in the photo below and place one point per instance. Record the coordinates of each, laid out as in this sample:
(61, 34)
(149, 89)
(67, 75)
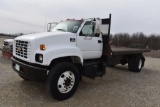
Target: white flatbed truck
(72, 49)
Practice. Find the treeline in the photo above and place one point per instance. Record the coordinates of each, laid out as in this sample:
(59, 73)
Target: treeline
(14, 35)
(136, 40)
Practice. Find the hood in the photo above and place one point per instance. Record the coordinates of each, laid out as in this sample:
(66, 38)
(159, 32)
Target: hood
(10, 41)
(43, 35)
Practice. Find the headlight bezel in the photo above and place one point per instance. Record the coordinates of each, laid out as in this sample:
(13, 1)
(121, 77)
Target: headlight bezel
(39, 58)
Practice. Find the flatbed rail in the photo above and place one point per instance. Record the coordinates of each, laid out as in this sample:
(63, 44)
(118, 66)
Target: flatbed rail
(125, 51)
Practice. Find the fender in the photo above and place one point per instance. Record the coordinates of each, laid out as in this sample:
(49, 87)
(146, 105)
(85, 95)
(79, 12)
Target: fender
(63, 51)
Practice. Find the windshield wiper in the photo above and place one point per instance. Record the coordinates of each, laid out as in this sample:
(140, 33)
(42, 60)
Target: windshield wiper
(61, 29)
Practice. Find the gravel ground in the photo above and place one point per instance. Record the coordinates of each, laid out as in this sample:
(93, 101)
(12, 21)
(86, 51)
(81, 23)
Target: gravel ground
(118, 88)
(153, 54)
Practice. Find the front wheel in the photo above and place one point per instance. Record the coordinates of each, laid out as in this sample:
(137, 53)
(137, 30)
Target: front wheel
(24, 78)
(62, 81)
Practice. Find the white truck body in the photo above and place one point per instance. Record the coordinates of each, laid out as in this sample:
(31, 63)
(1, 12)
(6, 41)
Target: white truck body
(58, 44)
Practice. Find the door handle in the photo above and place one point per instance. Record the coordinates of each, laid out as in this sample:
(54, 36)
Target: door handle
(99, 41)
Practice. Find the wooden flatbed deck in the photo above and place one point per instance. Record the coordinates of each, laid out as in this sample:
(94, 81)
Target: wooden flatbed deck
(125, 51)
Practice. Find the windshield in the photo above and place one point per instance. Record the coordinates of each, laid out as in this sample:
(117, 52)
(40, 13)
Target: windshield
(68, 26)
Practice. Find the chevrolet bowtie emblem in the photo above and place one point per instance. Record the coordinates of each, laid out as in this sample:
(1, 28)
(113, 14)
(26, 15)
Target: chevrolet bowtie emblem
(19, 49)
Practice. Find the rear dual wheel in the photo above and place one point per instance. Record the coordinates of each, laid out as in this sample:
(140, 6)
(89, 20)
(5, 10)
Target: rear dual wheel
(136, 63)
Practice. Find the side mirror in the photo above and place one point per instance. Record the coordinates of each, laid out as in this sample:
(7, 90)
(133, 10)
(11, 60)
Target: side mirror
(80, 33)
(48, 27)
(97, 27)
(51, 25)
(97, 34)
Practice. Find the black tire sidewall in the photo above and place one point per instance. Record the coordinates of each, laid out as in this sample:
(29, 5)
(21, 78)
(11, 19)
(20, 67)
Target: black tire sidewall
(53, 78)
(24, 78)
(133, 63)
(136, 64)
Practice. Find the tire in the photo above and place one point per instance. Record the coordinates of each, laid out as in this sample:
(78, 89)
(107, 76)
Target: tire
(62, 81)
(123, 61)
(136, 63)
(111, 66)
(24, 78)
(131, 63)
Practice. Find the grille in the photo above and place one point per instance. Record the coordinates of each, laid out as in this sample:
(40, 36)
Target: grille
(22, 48)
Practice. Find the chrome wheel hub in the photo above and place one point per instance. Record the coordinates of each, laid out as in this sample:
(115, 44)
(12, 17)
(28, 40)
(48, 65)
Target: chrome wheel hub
(66, 82)
(140, 64)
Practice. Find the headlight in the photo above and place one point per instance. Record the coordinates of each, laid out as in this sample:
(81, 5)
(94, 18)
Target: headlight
(39, 58)
(10, 43)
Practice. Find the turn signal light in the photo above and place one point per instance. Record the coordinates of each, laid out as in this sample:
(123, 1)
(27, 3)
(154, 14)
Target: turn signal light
(42, 47)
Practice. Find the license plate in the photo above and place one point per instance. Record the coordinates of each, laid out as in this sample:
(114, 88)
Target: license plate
(17, 67)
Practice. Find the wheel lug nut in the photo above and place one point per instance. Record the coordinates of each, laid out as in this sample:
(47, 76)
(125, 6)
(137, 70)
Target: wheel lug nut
(59, 86)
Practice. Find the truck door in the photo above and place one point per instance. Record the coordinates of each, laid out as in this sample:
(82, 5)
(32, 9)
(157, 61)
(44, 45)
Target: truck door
(89, 43)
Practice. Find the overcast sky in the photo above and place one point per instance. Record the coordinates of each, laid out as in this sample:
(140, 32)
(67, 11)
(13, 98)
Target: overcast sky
(127, 15)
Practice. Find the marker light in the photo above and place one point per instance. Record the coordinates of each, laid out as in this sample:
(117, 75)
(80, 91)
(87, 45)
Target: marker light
(42, 47)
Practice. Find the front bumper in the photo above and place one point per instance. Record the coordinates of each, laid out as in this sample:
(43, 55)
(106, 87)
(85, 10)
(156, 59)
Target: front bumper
(28, 71)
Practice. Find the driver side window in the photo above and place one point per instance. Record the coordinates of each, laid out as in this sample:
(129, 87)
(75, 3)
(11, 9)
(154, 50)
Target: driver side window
(88, 29)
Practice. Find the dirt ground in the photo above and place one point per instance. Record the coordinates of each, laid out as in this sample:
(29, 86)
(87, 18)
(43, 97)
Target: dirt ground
(118, 88)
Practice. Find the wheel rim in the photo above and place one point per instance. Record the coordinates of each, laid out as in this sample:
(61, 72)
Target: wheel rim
(66, 82)
(140, 64)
